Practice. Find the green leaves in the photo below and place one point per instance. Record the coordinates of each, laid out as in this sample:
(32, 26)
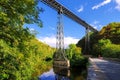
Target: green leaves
(75, 56)
(21, 54)
(8, 61)
(105, 48)
(24, 60)
(112, 32)
(108, 35)
(17, 12)
(73, 49)
(3, 18)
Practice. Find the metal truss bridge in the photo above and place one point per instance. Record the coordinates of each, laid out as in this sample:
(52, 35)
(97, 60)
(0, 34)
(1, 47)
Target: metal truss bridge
(60, 59)
(68, 13)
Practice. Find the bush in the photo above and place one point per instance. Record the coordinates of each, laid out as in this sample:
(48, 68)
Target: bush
(75, 56)
(105, 48)
(17, 64)
(78, 61)
(111, 51)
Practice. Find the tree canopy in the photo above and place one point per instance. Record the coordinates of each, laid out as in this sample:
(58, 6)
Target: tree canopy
(109, 34)
(112, 32)
(22, 56)
(15, 13)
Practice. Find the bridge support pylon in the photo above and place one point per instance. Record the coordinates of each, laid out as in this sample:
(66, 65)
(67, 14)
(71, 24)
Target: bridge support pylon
(87, 42)
(60, 59)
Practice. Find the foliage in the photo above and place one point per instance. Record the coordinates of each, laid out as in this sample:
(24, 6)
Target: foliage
(81, 43)
(112, 32)
(22, 56)
(72, 49)
(105, 48)
(93, 39)
(75, 56)
(111, 51)
(109, 33)
(78, 61)
(15, 13)
(24, 60)
(97, 48)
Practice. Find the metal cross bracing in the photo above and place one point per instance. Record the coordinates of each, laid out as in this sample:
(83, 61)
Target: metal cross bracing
(60, 33)
(68, 13)
(59, 54)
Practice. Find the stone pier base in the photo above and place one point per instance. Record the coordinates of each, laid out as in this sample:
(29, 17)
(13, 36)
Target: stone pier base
(61, 63)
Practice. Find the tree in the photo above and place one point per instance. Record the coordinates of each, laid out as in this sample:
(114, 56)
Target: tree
(73, 49)
(17, 59)
(75, 56)
(15, 13)
(110, 31)
(98, 47)
(105, 48)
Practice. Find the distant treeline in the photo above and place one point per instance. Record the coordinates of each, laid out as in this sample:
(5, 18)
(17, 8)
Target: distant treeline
(106, 42)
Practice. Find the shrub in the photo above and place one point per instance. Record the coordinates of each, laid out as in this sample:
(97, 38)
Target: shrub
(105, 48)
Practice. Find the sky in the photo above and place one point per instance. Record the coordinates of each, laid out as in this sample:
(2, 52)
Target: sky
(97, 13)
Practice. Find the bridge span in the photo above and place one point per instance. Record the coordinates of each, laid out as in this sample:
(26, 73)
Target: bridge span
(59, 57)
(55, 5)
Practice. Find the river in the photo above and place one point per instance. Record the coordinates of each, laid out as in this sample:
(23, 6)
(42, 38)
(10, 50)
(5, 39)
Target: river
(64, 74)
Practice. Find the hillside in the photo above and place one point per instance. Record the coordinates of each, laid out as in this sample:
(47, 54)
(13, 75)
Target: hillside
(22, 56)
(109, 35)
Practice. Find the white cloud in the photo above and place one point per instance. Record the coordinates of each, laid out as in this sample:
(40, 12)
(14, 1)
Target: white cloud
(31, 29)
(80, 9)
(95, 22)
(52, 40)
(48, 40)
(118, 4)
(96, 25)
(70, 40)
(101, 4)
(52, 28)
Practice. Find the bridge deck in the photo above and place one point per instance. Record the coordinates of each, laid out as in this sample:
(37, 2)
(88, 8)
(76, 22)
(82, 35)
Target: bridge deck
(68, 13)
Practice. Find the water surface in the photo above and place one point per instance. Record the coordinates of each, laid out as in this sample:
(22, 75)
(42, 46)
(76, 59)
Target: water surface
(64, 74)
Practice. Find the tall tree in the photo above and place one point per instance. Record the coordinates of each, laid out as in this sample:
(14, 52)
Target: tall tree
(112, 32)
(16, 56)
(15, 13)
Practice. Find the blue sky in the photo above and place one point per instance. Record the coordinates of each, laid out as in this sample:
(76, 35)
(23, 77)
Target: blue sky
(97, 13)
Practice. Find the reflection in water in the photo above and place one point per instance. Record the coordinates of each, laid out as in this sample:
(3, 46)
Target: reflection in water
(61, 71)
(63, 74)
(47, 75)
(60, 77)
